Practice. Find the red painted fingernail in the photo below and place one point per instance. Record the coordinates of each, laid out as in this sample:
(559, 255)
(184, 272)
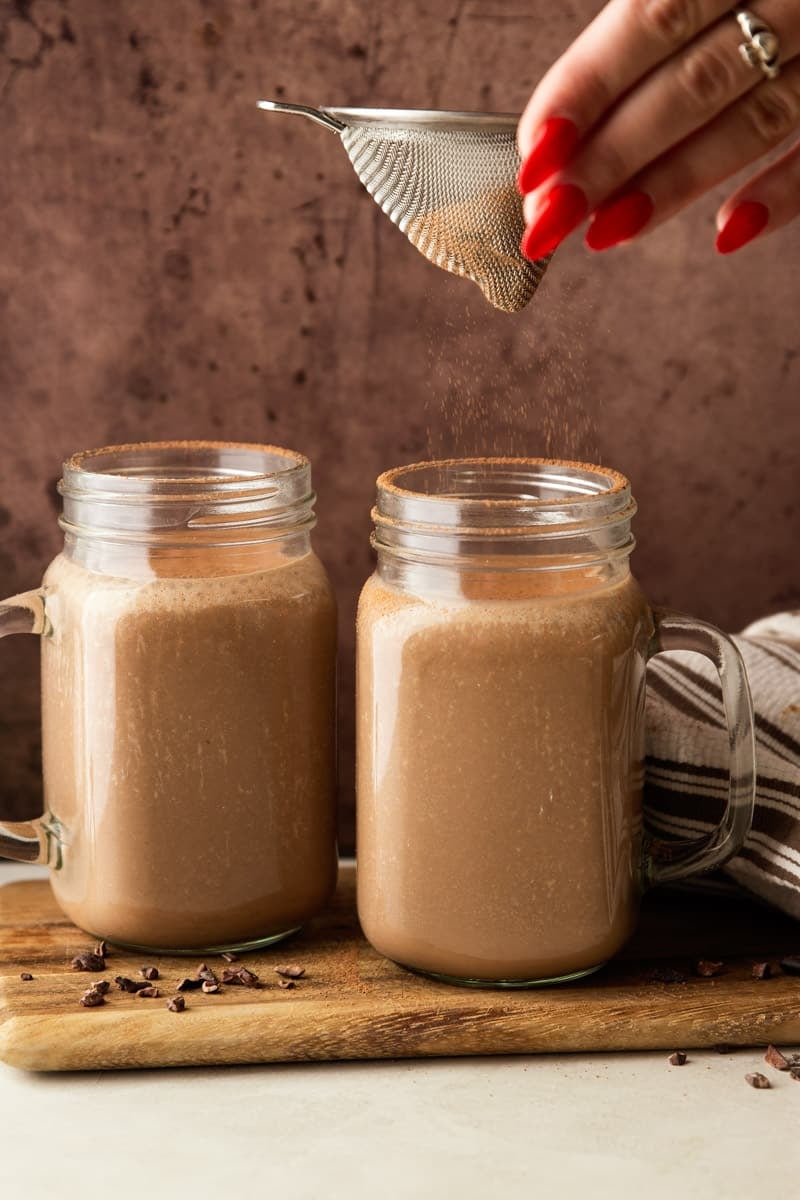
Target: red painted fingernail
(556, 138)
(563, 208)
(745, 222)
(619, 220)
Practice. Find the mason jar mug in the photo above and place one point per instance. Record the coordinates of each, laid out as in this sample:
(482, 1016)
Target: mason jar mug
(502, 647)
(188, 647)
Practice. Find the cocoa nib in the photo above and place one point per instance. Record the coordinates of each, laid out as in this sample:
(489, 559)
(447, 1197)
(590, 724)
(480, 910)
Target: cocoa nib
(150, 973)
(149, 993)
(101, 949)
(707, 968)
(88, 962)
(176, 1004)
(190, 985)
(775, 1059)
(26, 976)
(677, 1058)
(761, 970)
(757, 1080)
(229, 956)
(205, 973)
(794, 1073)
(240, 977)
(291, 971)
(210, 987)
(100, 985)
(791, 964)
(664, 975)
(92, 998)
(130, 985)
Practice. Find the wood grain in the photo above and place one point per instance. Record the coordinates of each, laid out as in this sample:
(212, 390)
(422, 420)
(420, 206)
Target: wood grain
(353, 1004)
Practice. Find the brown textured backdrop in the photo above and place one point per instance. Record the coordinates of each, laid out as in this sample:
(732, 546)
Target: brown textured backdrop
(175, 263)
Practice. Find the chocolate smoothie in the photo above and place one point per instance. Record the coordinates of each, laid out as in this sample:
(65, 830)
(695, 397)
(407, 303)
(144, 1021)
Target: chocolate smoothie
(500, 764)
(188, 745)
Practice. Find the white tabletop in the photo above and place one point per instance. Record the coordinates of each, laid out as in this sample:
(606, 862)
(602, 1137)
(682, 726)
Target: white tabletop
(585, 1126)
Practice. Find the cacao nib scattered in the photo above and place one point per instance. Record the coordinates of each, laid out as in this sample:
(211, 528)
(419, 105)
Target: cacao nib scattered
(677, 1058)
(100, 985)
(149, 993)
(794, 1073)
(205, 973)
(286, 983)
(708, 968)
(88, 962)
(229, 956)
(775, 1059)
(664, 975)
(190, 985)
(26, 976)
(791, 964)
(92, 998)
(761, 970)
(291, 971)
(210, 987)
(150, 973)
(757, 1080)
(130, 985)
(101, 949)
(176, 1004)
(240, 977)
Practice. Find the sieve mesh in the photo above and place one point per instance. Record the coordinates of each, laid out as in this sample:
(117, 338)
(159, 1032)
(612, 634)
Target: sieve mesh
(449, 182)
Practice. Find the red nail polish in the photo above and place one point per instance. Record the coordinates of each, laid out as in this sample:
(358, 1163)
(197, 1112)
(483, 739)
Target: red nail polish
(563, 208)
(556, 138)
(745, 222)
(619, 220)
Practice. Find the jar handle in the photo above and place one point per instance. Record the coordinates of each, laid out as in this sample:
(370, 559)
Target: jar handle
(37, 841)
(668, 860)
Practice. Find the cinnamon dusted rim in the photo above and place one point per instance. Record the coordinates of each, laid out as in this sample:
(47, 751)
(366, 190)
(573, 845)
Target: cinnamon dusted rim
(186, 462)
(502, 497)
(131, 489)
(577, 476)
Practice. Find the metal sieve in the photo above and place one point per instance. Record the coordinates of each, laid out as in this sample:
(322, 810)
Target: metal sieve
(448, 180)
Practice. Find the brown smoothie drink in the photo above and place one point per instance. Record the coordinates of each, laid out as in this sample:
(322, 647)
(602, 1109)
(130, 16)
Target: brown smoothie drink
(500, 775)
(501, 654)
(188, 697)
(209, 774)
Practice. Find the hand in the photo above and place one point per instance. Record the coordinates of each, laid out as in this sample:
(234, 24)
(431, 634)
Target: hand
(651, 106)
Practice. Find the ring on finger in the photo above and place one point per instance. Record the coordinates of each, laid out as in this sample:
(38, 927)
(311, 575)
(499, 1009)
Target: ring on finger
(761, 47)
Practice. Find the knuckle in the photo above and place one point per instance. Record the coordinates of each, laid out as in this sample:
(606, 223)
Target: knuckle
(773, 112)
(707, 77)
(672, 21)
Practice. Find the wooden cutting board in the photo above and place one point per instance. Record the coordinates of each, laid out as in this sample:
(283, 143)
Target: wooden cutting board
(355, 1004)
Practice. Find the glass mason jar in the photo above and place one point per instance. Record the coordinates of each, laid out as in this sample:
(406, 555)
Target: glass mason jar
(188, 647)
(502, 646)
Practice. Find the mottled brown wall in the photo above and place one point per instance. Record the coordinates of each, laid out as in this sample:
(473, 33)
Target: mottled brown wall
(175, 263)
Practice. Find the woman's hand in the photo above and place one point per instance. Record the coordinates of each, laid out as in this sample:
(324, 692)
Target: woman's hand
(651, 106)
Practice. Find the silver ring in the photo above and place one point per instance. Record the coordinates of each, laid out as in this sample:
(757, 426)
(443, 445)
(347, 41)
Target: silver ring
(761, 47)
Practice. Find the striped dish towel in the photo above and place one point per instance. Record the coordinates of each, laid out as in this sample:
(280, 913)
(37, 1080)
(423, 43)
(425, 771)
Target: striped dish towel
(686, 772)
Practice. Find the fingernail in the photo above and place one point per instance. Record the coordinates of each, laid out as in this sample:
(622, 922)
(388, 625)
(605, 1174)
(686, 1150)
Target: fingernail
(563, 208)
(619, 220)
(555, 140)
(745, 222)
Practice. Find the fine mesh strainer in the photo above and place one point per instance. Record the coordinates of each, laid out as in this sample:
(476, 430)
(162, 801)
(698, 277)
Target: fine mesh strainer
(449, 181)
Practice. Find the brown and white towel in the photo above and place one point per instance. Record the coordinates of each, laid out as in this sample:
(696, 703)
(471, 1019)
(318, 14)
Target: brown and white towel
(686, 779)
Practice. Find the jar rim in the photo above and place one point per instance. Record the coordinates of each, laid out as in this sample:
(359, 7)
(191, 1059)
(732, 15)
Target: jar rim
(82, 470)
(165, 489)
(471, 507)
(581, 472)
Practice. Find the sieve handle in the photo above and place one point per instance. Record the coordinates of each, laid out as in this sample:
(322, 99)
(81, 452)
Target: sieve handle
(303, 110)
